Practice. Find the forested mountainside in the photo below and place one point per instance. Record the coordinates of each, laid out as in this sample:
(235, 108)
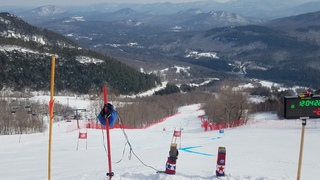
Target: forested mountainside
(284, 50)
(25, 62)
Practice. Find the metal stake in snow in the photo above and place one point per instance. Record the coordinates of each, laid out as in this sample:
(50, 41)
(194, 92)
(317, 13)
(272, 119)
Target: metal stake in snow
(105, 98)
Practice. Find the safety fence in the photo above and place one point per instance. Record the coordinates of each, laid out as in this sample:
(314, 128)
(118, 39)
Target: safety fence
(282, 123)
(97, 125)
(93, 125)
(208, 126)
(259, 123)
(159, 121)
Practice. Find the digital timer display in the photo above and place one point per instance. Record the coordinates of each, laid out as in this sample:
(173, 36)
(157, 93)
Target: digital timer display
(296, 107)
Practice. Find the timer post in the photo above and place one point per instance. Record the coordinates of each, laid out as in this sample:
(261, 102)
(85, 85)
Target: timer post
(304, 123)
(302, 107)
(308, 94)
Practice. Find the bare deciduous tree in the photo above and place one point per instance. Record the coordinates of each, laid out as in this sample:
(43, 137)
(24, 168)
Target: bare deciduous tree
(229, 104)
(143, 111)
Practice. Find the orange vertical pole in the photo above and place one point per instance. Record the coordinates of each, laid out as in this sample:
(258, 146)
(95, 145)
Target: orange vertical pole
(53, 62)
(105, 98)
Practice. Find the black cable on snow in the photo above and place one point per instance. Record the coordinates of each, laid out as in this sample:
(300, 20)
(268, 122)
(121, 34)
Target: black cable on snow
(124, 149)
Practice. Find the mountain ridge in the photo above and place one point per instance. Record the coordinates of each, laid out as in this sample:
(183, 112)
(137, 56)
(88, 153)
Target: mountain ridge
(24, 62)
(246, 50)
(259, 9)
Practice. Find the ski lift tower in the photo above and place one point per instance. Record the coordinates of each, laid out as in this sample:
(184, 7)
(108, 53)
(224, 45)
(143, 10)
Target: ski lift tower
(78, 115)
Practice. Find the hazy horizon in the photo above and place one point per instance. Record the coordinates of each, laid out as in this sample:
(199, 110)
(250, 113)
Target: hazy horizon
(85, 2)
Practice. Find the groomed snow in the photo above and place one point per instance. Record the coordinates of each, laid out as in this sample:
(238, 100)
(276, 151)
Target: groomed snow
(264, 149)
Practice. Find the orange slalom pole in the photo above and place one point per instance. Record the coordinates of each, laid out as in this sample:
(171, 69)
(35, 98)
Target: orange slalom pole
(105, 98)
(53, 62)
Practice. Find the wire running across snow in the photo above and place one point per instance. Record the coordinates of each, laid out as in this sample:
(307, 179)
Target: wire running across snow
(124, 149)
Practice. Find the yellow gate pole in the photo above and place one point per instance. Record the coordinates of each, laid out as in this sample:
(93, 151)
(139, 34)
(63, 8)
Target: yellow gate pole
(53, 61)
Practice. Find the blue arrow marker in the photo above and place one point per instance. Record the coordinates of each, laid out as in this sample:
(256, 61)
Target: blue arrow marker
(216, 138)
(187, 149)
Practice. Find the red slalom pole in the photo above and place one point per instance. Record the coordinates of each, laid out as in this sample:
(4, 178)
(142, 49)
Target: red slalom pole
(105, 98)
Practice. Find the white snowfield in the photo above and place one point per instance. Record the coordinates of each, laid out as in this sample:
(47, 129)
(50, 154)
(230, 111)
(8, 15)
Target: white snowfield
(264, 149)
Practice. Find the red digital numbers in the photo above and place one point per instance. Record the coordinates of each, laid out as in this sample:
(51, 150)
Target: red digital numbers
(317, 112)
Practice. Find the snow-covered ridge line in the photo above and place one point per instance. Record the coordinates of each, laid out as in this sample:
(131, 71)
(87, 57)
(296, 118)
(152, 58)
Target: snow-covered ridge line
(75, 18)
(197, 55)
(11, 30)
(10, 48)
(81, 59)
(12, 34)
(87, 60)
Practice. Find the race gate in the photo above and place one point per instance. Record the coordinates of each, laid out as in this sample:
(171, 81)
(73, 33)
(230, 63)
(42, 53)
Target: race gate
(173, 153)
(83, 135)
(176, 134)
